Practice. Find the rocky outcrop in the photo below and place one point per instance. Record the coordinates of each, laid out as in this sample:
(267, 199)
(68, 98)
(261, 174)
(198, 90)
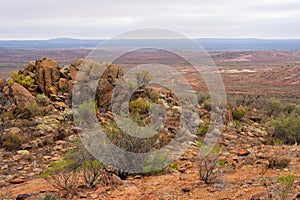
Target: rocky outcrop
(18, 95)
(18, 98)
(47, 76)
(106, 86)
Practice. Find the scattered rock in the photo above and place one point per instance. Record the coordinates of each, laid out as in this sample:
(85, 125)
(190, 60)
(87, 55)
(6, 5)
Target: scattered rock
(17, 181)
(23, 196)
(242, 152)
(187, 188)
(101, 190)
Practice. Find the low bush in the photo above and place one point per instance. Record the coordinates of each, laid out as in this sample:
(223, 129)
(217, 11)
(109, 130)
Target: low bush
(7, 116)
(93, 170)
(140, 106)
(278, 162)
(156, 164)
(202, 96)
(238, 113)
(209, 164)
(61, 176)
(49, 197)
(26, 81)
(79, 158)
(12, 141)
(143, 77)
(87, 109)
(35, 109)
(286, 128)
(42, 99)
(207, 104)
(203, 129)
(285, 186)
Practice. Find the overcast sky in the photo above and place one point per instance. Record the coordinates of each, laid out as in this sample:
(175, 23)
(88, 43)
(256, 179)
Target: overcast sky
(43, 19)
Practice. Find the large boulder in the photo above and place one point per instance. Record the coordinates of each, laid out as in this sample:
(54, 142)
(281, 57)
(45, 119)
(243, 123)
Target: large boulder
(47, 75)
(18, 95)
(106, 86)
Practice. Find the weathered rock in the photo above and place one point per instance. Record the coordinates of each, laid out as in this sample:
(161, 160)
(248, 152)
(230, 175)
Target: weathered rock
(14, 131)
(187, 188)
(18, 95)
(24, 196)
(29, 69)
(17, 181)
(74, 68)
(242, 152)
(101, 190)
(106, 86)
(63, 84)
(47, 75)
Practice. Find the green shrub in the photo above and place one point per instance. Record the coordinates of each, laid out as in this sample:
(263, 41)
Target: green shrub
(79, 158)
(278, 162)
(26, 81)
(286, 128)
(156, 164)
(7, 116)
(60, 176)
(276, 108)
(207, 105)
(238, 124)
(204, 127)
(273, 107)
(12, 141)
(42, 99)
(35, 109)
(285, 185)
(154, 96)
(277, 142)
(238, 113)
(202, 96)
(93, 170)
(49, 197)
(140, 106)
(143, 77)
(87, 109)
(209, 164)
(10, 82)
(132, 85)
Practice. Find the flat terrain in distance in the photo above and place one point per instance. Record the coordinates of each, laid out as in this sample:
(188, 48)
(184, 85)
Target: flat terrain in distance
(275, 73)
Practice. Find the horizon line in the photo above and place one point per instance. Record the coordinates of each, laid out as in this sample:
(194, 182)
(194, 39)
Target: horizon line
(91, 38)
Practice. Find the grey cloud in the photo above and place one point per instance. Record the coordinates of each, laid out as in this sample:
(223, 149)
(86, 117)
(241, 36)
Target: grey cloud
(98, 19)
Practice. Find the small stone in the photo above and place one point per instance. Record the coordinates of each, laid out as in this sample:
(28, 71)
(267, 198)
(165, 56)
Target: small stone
(250, 134)
(83, 196)
(100, 190)
(24, 153)
(17, 181)
(23, 196)
(20, 167)
(47, 157)
(114, 179)
(17, 157)
(14, 131)
(4, 167)
(37, 170)
(187, 188)
(242, 152)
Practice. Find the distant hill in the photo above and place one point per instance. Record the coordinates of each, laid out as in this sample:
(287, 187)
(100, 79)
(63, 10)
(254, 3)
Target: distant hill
(210, 44)
(60, 43)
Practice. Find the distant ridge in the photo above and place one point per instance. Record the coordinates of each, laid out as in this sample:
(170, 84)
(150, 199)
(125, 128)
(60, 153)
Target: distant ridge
(210, 44)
